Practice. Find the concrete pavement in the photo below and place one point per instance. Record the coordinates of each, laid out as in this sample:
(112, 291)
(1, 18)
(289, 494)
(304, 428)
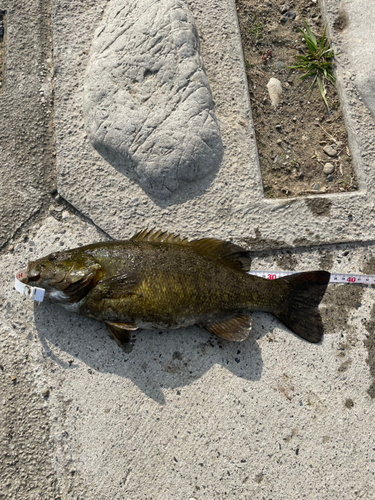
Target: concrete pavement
(182, 415)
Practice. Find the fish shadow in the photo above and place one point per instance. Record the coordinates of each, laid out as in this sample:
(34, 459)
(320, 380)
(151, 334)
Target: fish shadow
(156, 359)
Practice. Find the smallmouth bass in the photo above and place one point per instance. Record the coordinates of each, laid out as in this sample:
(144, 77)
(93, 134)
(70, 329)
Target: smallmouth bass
(159, 280)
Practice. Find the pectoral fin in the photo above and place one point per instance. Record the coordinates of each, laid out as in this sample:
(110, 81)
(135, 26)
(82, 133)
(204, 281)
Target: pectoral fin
(115, 287)
(121, 332)
(236, 329)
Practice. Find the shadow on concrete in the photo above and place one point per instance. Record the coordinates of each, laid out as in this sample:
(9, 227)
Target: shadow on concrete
(157, 359)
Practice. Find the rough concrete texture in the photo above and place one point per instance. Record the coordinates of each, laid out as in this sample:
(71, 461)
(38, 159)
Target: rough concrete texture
(147, 104)
(228, 202)
(357, 26)
(27, 164)
(185, 415)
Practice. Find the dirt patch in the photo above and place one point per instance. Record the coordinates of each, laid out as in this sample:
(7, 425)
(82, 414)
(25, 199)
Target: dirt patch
(259, 243)
(345, 365)
(369, 266)
(287, 261)
(325, 261)
(342, 21)
(319, 207)
(291, 137)
(349, 403)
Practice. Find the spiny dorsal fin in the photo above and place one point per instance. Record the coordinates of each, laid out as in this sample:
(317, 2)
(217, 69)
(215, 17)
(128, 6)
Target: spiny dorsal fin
(229, 253)
(158, 236)
(237, 328)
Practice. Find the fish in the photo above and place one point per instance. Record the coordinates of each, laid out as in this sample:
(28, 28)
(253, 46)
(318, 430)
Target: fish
(158, 279)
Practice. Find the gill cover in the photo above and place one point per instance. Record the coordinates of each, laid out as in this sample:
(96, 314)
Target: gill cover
(74, 274)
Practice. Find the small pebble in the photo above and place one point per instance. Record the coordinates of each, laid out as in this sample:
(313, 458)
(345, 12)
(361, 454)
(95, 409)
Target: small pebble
(284, 8)
(279, 141)
(280, 65)
(53, 191)
(288, 16)
(328, 168)
(275, 90)
(278, 127)
(11, 248)
(330, 151)
(45, 393)
(316, 187)
(330, 178)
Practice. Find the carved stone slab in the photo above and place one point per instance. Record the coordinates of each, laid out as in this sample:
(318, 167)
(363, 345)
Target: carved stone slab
(147, 105)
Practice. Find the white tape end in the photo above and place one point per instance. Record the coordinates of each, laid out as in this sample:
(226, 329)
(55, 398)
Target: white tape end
(32, 292)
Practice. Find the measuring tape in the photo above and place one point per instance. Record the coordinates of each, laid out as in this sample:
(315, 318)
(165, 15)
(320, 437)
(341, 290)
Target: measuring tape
(37, 294)
(366, 279)
(32, 292)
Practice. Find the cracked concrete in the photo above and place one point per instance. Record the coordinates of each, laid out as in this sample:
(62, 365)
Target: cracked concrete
(182, 415)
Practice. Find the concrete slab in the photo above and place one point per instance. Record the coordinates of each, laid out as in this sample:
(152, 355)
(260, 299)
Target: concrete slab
(185, 415)
(27, 164)
(229, 204)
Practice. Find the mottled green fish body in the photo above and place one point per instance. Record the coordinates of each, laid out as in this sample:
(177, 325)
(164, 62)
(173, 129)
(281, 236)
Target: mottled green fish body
(158, 280)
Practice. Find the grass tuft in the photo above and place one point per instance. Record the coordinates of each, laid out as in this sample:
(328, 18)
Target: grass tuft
(317, 61)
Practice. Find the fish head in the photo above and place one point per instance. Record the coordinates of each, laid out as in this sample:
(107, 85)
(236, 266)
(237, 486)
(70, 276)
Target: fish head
(66, 276)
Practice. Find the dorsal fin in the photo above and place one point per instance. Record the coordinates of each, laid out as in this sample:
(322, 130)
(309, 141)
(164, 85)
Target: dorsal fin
(157, 236)
(228, 253)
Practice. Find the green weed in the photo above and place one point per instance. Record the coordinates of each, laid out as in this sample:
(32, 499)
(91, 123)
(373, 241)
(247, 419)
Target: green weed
(257, 30)
(317, 61)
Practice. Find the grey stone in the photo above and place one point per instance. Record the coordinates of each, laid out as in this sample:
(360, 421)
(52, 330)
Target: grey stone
(330, 151)
(328, 168)
(280, 65)
(288, 16)
(284, 8)
(148, 106)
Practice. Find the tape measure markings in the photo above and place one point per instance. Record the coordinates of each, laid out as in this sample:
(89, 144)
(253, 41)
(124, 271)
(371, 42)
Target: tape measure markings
(335, 277)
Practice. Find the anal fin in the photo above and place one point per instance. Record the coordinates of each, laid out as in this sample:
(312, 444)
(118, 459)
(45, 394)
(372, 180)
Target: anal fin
(121, 332)
(236, 328)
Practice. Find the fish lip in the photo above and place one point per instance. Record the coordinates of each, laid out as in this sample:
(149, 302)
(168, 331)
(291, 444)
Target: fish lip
(30, 279)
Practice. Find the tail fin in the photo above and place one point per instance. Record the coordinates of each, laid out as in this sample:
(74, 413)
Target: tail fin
(298, 309)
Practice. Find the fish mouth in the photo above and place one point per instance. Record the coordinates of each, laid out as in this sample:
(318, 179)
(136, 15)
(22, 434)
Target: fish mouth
(31, 277)
(34, 279)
